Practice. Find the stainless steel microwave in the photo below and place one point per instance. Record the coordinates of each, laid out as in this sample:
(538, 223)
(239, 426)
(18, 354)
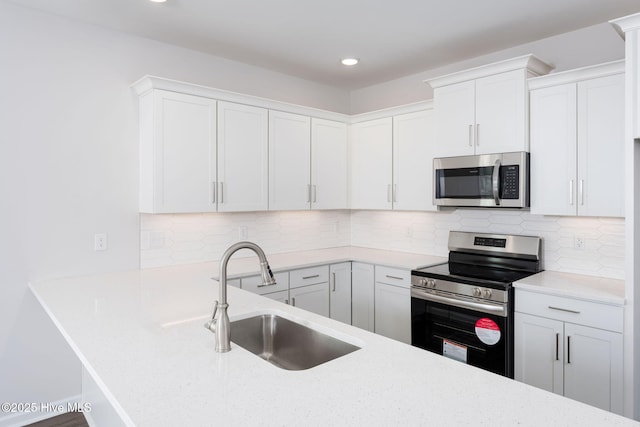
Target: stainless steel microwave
(498, 180)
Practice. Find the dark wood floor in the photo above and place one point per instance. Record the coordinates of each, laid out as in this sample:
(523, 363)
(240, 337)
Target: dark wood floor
(70, 419)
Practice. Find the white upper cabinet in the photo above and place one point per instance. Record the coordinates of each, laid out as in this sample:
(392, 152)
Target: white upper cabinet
(307, 163)
(577, 142)
(413, 152)
(484, 110)
(329, 165)
(242, 158)
(289, 161)
(206, 150)
(371, 172)
(177, 153)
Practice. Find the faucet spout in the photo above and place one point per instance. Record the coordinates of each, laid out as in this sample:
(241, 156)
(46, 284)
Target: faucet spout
(220, 325)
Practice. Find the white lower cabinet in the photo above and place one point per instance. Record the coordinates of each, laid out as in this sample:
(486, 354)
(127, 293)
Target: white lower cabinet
(570, 347)
(374, 298)
(393, 303)
(309, 289)
(340, 292)
(362, 296)
(313, 298)
(282, 296)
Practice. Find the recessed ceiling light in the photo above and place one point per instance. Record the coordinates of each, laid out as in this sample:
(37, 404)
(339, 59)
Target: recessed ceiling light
(158, 1)
(349, 61)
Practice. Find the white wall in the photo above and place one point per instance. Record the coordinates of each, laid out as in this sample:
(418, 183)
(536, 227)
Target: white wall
(69, 169)
(587, 46)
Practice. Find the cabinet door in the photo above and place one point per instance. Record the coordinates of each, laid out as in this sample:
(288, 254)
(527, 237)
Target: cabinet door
(314, 298)
(177, 153)
(593, 367)
(539, 352)
(601, 146)
(393, 312)
(289, 161)
(329, 165)
(371, 174)
(282, 296)
(362, 303)
(501, 113)
(242, 158)
(340, 292)
(413, 152)
(553, 150)
(454, 107)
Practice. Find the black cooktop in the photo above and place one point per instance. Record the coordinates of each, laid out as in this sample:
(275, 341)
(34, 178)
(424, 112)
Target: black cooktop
(495, 278)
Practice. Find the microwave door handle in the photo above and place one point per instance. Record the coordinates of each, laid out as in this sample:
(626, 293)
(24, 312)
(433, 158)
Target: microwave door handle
(496, 182)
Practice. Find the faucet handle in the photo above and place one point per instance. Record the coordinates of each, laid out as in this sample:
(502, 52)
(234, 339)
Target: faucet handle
(211, 324)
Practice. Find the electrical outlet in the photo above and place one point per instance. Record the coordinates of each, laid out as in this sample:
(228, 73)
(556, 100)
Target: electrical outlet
(243, 234)
(100, 242)
(409, 231)
(579, 242)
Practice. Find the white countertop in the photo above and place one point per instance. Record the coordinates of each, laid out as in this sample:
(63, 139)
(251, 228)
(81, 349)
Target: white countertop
(589, 288)
(242, 266)
(140, 336)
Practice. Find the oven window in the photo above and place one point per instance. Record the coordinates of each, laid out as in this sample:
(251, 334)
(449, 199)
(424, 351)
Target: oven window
(443, 329)
(464, 183)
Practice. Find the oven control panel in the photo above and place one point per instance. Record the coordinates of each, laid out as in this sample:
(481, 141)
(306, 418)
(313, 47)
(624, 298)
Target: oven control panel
(437, 286)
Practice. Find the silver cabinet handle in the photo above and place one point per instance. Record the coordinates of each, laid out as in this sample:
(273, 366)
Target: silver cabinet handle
(557, 345)
(477, 134)
(315, 193)
(495, 181)
(286, 301)
(214, 187)
(470, 135)
(394, 277)
(571, 192)
(310, 277)
(333, 281)
(220, 193)
(581, 192)
(566, 310)
(293, 301)
(568, 350)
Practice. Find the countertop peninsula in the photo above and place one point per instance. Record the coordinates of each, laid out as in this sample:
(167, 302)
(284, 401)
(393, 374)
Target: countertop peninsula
(140, 337)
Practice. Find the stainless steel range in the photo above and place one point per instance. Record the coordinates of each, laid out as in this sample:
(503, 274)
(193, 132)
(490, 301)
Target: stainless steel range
(463, 309)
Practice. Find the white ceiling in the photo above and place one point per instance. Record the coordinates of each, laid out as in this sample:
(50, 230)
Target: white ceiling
(305, 38)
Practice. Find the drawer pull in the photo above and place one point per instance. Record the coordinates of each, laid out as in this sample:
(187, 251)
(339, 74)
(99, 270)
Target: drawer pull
(564, 309)
(568, 349)
(394, 277)
(333, 280)
(310, 277)
(557, 345)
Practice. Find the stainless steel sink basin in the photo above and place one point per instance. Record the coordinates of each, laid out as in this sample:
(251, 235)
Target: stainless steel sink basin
(287, 344)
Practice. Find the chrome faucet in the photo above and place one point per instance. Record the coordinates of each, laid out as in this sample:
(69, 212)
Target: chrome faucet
(220, 326)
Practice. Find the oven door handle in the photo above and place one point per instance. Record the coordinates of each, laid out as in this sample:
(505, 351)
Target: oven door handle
(499, 310)
(496, 182)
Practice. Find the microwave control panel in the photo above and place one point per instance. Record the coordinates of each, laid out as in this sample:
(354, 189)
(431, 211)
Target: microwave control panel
(510, 182)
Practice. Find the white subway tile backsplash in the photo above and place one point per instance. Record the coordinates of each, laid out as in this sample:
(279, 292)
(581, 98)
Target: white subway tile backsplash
(186, 238)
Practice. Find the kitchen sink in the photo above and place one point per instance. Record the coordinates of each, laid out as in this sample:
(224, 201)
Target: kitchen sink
(285, 343)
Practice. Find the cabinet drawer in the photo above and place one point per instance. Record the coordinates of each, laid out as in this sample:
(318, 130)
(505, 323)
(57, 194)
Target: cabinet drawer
(252, 284)
(393, 276)
(309, 276)
(596, 315)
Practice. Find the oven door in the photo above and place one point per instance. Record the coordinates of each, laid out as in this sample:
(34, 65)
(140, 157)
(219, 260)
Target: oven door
(480, 339)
